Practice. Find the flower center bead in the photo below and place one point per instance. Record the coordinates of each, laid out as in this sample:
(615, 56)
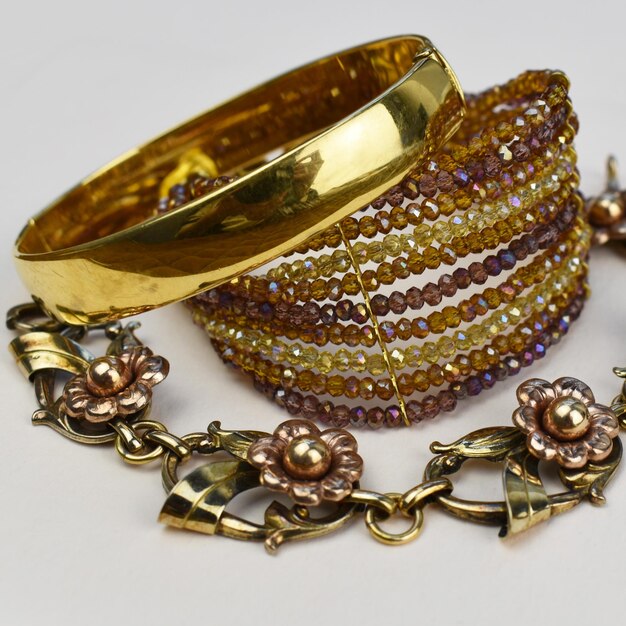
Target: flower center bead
(566, 418)
(107, 376)
(307, 458)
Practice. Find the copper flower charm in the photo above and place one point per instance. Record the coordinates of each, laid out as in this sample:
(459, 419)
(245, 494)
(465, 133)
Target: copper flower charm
(563, 421)
(309, 465)
(114, 385)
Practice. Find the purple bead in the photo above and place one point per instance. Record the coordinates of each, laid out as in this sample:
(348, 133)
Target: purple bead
(462, 278)
(341, 416)
(375, 418)
(447, 400)
(513, 365)
(414, 411)
(474, 386)
(325, 412)
(393, 416)
(343, 308)
(358, 416)
(310, 407)
(430, 407)
(487, 379)
(492, 265)
(507, 259)
(293, 403)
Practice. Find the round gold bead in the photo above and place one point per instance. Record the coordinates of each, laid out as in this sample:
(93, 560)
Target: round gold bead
(566, 418)
(307, 458)
(607, 210)
(108, 375)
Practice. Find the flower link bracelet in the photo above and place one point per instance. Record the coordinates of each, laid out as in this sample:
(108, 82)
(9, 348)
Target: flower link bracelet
(360, 323)
(108, 399)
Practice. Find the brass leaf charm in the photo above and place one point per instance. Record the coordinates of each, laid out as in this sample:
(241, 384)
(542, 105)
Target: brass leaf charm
(527, 502)
(493, 444)
(235, 442)
(198, 501)
(38, 351)
(590, 480)
(293, 524)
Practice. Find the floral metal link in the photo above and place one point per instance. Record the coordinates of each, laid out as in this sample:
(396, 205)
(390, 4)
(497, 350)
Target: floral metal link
(108, 400)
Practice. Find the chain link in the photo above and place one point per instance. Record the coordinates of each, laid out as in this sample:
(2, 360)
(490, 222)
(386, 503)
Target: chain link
(150, 441)
(202, 443)
(409, 505)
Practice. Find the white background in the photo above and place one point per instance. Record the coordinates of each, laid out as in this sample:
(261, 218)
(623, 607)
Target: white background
(81, 82)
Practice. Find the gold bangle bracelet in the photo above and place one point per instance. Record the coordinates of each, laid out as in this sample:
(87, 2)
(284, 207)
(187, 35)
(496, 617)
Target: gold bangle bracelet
(360, 120)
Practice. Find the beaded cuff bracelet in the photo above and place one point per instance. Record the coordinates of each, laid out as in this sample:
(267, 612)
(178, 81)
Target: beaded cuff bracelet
(332, 332)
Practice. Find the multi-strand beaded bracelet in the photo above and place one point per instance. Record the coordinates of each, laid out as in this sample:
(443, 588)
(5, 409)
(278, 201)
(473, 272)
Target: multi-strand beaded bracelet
(352, 325)
(507, 184)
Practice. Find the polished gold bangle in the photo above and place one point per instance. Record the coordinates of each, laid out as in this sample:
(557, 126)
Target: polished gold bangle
(360, 121)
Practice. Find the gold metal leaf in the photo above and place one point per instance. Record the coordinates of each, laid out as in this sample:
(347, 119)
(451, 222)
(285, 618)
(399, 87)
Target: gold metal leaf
(527, 502)
(493, 444)
(293, 524)
(235, 442)
(38, 351)
(590, 480)
(198, 501)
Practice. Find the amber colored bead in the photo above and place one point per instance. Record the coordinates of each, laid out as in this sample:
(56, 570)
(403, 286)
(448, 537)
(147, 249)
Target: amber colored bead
(403, 329)
(416, 262)
(501, 344)
(435, 375)
(447, 254)
(451, 372)
(366, 388)
(367, 226)
(383, 222)
(431, 258)
(436, 322)
(318, 289)
(480, 304)
(420, 380)
(385, 274)
(384, 389)
(350, 284)
(430, 209)
(350, 227)
(352, 387)
(467, 311)
(398, 217)
(351, 335)
(420, 328)
(405, 384)
(414, 214)
(368, 336)
(516, 342)
(451, 316)
(335, 334)
(370, 280)
(335, 385)
(460, 246)
(305, 380)
(400, 268)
